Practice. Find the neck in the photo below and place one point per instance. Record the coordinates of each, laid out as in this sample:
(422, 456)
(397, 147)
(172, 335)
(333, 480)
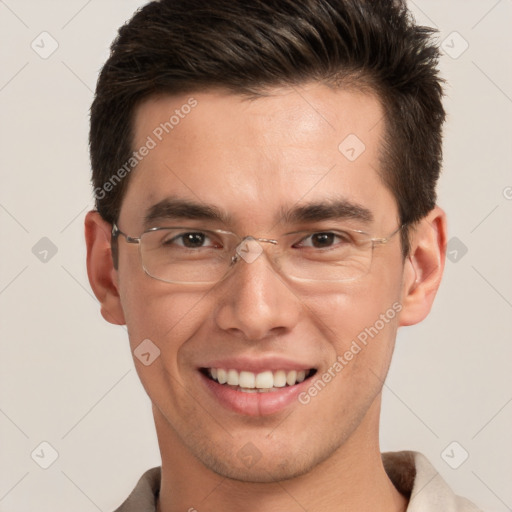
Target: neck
(352, 478)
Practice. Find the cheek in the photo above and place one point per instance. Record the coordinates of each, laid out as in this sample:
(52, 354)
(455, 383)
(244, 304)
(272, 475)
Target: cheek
(359, 323)
(360, 328)
(154, 309)
(158, 311)
(354, 306)
(168, 318)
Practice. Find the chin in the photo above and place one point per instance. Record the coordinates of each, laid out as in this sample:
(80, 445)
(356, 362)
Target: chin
(250, 465)
(261, 471)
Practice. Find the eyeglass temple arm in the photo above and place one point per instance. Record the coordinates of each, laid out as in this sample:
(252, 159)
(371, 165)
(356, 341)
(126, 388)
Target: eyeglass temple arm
(388, 238)
(114, 243)
(129, 239)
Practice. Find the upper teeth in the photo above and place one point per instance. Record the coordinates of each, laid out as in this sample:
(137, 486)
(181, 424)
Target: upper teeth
(263, 380)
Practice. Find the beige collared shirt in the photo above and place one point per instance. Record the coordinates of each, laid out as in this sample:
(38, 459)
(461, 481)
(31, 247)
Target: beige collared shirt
(411, 473)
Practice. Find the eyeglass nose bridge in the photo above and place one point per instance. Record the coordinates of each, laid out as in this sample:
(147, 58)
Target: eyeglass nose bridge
(249, 249)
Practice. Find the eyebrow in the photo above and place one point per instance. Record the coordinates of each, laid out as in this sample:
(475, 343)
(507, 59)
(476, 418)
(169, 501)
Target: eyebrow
(333, 209)
(177, 209)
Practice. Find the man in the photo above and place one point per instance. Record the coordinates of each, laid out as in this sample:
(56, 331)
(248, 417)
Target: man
(266, 220)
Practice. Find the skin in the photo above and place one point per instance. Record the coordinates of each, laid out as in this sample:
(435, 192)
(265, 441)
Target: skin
(251, 158)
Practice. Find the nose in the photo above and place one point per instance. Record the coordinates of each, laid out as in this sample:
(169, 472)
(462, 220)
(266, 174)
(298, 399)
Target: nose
(255, 302)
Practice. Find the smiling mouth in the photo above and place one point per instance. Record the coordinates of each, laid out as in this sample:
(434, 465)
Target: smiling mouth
(262, 382)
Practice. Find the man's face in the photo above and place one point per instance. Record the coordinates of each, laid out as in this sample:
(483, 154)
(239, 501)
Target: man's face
(254, 161)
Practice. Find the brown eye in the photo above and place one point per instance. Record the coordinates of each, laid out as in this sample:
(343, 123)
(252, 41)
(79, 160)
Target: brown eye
(320, 240)
(325, 240)
(193, 240)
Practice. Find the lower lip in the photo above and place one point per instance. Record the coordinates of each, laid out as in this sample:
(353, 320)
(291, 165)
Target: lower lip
(254, 404)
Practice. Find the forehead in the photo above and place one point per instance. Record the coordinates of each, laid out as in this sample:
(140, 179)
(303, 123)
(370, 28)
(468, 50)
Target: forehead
(252, 157)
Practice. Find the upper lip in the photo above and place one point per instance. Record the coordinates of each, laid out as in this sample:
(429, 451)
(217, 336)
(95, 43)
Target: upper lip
(257, 365)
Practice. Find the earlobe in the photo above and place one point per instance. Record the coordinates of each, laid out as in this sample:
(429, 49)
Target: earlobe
(100, 268)
(424, 267)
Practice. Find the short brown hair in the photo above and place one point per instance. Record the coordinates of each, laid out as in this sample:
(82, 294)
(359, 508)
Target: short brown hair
(246, 46)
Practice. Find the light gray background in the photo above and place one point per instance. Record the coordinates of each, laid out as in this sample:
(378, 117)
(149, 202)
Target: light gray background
(67, 377)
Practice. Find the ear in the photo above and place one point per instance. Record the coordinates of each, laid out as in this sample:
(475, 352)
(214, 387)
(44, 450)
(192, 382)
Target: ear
(424, 267)
(100, 268)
